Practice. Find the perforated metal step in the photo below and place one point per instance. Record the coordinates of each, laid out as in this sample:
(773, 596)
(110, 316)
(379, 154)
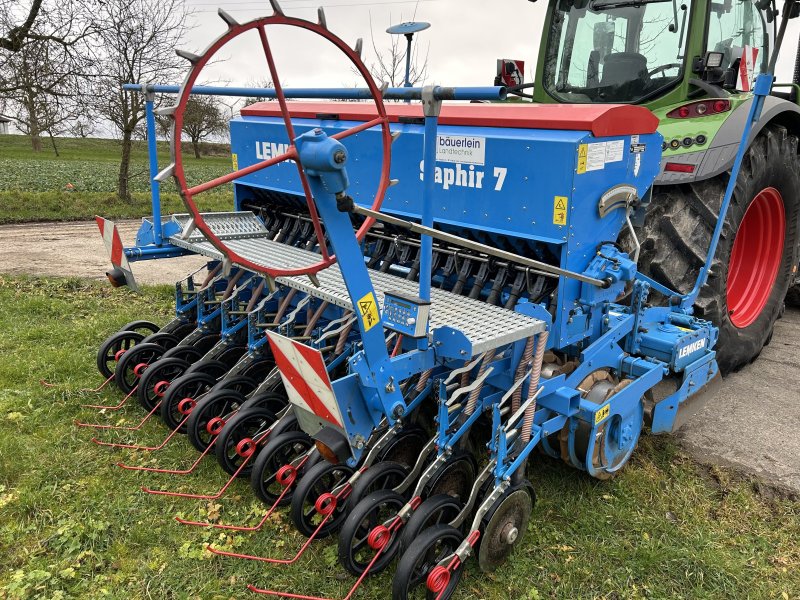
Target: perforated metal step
(486, 326)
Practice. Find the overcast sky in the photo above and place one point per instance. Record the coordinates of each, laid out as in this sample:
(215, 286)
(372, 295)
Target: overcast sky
(463, 44)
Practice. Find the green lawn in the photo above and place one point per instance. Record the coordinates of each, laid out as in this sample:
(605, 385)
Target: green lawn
(72, 525)
(82, 181)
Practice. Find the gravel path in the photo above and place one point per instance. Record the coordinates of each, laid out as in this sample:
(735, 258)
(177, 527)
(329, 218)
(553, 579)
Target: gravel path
(750, 421)
(76, 249)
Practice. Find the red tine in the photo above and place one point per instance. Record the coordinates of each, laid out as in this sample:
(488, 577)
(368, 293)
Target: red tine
(97, 389)
(286, 476)
(119, 427)
(87, 390)
(145, 448)
(114, 407)
(326, 505)
(250, 453)
(381, 545)
(170, 471)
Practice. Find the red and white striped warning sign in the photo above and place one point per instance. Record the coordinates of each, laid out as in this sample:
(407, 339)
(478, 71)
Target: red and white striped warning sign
(305, 378)
(113, 242)
(747, 69)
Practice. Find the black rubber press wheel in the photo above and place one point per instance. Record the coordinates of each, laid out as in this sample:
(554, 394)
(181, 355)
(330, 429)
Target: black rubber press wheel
(112, 349)
(423, 555)
(355, 551)
(210, 415)
(141, 326)
(380, 476)
(245, 425)
(320, 479)
(128, 370)
(156, 380)
(280, 450)
(190, 386)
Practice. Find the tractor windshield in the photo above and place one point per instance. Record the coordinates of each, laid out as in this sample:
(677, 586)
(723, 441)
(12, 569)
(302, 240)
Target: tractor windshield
(615, 50)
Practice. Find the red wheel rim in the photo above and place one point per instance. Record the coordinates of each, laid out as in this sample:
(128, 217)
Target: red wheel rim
(187, 193)
(756, 257)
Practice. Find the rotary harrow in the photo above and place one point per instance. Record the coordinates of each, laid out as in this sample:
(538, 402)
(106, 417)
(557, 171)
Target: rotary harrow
(384, 363)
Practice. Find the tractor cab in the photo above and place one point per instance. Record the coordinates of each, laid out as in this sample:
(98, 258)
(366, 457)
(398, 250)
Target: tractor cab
(652, 52)
(693, 63)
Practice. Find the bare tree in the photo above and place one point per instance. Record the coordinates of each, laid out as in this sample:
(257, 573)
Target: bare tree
(139, 38)
(15, 34)
(390, 63)
(44, 64)
(82, 126)
(45, 93)
(202, 118)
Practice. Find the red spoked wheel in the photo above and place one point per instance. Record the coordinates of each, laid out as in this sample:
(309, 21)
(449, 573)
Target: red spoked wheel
(188, 193)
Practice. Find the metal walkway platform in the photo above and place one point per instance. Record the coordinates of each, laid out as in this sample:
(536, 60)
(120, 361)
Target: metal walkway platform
(486, 326)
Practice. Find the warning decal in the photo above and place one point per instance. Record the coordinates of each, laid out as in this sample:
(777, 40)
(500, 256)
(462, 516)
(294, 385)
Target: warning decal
(583, 151)
(368, 309)
(592, 157)
(560, 207)
(602, 414)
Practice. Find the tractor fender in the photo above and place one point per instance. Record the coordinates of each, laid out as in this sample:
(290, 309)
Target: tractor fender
(721, 153)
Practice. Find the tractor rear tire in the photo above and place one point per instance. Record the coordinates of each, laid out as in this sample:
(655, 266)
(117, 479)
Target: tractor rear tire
(677, 233)
(793, 297)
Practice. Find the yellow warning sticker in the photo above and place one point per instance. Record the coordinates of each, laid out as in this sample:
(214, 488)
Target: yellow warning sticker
(583, 154)
(235, 160)
(560, 207)
(602, 414)
(369, 311)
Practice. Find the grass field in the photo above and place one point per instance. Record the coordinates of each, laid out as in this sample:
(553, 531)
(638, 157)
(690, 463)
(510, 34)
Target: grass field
(34, 186)
(72, 525)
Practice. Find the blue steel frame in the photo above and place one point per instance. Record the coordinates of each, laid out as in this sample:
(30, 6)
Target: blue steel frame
(374, 370)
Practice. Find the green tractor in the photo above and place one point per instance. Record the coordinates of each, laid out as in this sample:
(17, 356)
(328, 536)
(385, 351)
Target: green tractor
(691, 62)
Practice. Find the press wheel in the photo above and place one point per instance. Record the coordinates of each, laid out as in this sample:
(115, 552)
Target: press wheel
(141, 326)
(128, 370)
(210, 416)
(280, 450)
(440, 509)
(381, 476)
(320, 479)
(455, 478)
(188, 385)
(355, 551)
(156, 380)
(432, 547)
(188, 353)
(112, 349)
(246, 424)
